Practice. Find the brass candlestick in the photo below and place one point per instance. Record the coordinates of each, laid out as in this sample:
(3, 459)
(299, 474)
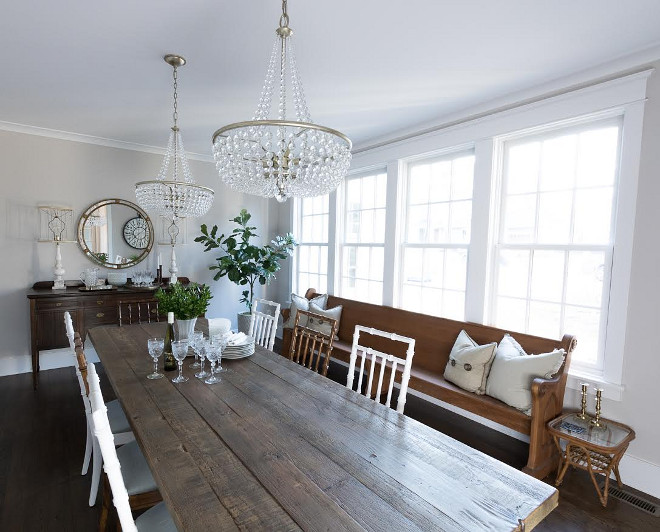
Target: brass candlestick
(596, 422)
(583, 407)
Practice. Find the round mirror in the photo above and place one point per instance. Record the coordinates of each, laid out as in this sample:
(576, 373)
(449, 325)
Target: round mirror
(115, 233)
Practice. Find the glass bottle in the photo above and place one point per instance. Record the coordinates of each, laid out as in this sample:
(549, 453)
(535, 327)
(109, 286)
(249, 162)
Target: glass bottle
(170, 362)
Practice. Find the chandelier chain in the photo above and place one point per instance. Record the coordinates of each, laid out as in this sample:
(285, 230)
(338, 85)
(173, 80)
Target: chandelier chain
(175, 115)
(284, 19)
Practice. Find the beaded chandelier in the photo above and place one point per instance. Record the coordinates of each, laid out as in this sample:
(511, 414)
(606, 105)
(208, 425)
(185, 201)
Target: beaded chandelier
(174, 198)
(281, 158)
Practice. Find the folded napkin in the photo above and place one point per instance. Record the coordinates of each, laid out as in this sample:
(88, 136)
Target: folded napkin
(237, 339)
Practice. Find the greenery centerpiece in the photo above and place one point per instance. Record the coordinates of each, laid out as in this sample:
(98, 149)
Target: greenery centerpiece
(186, 301)
(244, 263)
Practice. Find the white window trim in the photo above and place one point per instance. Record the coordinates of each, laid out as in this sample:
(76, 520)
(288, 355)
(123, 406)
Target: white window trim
(339, 215)
(402, 175)
(624, 95)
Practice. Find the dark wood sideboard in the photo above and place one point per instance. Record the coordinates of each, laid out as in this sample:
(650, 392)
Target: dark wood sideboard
(88, 308)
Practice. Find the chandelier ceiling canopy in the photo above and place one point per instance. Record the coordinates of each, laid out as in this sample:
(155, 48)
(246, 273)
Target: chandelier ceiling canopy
(281, 157)
(178, 196)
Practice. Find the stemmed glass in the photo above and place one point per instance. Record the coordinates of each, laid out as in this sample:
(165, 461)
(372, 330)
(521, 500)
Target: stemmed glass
(221, 340)
(180, 350)
(213, 354)
(201, 349)
(197, 337)
(155, 346)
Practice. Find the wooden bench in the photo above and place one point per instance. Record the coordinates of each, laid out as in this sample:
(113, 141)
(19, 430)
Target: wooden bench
(434, 339)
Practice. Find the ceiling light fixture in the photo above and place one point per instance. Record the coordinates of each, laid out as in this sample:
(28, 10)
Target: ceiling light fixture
(174, 198)
(281, 158)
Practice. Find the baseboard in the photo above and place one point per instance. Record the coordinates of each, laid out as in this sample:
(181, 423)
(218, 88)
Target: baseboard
(640, 474)
(48, 359)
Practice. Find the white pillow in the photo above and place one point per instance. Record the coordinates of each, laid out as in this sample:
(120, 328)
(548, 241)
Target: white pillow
(513, 371)
(321, 325)
(469, 363)
(302, 303)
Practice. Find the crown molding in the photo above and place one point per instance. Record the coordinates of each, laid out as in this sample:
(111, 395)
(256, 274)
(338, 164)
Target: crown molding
(629, 64)
(90, 139)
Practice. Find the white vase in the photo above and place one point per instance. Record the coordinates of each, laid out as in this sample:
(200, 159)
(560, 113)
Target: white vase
(243, 320)
(184, 328)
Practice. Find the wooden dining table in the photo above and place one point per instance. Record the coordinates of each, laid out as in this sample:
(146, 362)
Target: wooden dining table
(275, 446)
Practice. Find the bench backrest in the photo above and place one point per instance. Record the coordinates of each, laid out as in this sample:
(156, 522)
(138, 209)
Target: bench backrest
(434, 336)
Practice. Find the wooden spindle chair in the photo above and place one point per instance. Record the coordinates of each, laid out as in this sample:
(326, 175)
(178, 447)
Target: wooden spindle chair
(119, 424)
(378, 358)
(157, 518)
(263, 322)
(309, 347)
(137, 312)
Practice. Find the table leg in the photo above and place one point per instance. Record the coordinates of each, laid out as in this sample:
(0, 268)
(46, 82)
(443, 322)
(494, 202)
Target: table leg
(35, 368)
(563, 462)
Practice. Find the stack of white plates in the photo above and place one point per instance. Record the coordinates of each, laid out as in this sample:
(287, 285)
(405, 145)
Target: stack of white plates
(242, 350)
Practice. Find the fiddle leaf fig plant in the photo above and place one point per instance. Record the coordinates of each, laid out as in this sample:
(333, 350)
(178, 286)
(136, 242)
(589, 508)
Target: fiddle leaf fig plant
(244, 263)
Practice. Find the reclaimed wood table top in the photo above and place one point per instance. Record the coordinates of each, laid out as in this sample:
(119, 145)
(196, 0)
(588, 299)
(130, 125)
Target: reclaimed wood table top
(276, 446)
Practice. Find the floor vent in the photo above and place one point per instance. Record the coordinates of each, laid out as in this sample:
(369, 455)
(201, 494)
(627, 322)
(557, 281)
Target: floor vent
(642, 504)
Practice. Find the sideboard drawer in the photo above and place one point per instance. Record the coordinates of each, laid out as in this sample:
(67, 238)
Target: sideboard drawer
(100, 316)
(63, 303)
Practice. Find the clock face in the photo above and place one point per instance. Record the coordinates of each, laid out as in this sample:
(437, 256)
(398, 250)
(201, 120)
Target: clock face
(136, 233)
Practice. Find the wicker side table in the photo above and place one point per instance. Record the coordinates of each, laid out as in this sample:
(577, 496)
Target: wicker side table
(594, 449)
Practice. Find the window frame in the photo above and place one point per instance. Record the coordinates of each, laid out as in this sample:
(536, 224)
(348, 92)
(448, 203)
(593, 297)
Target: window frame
(402, 218)
(340, 244)
(541, 134)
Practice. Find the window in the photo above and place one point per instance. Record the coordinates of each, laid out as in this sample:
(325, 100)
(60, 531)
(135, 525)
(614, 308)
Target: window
(362, 242)
(436, 236)
(553, 255)
(311, 270)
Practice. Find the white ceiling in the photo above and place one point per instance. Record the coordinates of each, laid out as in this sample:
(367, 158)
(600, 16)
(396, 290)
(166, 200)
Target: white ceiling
(370, 67)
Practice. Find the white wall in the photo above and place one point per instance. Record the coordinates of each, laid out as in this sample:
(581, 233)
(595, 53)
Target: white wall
(40, 171)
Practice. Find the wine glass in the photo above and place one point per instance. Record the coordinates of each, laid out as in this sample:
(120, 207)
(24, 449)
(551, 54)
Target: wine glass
(180, 350)
(222, 340)
(197, 337)
(155, 346)
(201, 349)
(212, 353)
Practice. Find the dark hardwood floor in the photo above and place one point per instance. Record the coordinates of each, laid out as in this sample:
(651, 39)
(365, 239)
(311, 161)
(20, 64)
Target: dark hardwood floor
(42, 444)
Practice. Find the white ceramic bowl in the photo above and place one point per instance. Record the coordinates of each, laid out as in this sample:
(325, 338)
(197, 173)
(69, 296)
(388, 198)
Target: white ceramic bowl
(117, 278)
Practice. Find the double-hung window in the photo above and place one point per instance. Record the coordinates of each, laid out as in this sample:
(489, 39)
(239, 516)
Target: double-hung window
(362, 237)
(311, 269)
(436, 235)
(555, 237)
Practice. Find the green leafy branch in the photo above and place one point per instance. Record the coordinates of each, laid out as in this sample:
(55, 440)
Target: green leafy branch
(186, 301)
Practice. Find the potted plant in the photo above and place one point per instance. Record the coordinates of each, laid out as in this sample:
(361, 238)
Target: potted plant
(187, 302)
(244, 263)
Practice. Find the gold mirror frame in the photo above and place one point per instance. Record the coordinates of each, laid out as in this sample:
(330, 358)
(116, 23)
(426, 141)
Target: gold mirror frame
(95, 256)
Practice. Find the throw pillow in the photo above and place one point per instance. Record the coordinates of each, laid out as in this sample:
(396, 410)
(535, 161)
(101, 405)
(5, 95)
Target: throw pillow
(513, 371)
(302, 303)
(469, 363)
(321, 325)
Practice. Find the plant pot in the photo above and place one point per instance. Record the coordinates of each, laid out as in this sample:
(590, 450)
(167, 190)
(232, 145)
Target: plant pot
(243, 320)
(184, 328)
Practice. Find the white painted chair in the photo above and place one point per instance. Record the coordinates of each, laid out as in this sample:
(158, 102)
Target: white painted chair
(218, 326)
(156, 518)
(381, 359)
(118, 422)
(263, 322)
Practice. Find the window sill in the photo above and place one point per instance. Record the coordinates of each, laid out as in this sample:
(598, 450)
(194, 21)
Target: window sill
(611, 390)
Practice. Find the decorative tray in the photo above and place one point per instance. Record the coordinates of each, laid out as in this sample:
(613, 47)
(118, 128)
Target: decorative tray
(97, 287)
(143, 287)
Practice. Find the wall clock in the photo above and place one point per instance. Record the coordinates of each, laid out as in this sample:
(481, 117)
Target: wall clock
(136, 233)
